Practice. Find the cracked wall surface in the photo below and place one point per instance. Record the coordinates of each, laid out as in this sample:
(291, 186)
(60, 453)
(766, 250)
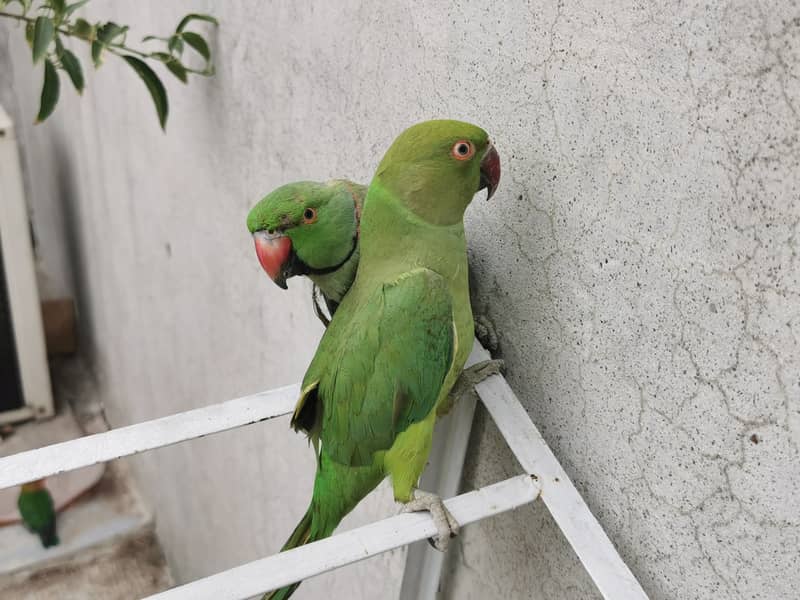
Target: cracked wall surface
(640, 262)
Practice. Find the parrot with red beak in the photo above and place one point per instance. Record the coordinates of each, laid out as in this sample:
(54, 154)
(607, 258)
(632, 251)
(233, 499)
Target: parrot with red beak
(402, 333)
(309, 228)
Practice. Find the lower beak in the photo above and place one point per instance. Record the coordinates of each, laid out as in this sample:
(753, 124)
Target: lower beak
(274, 252)
(490, 171)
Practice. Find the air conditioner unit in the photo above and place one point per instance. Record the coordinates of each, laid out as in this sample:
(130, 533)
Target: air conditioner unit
(24, 376)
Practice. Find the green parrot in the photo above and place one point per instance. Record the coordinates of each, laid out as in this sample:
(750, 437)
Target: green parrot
(402, 333)
(38, 512)
(310, 228)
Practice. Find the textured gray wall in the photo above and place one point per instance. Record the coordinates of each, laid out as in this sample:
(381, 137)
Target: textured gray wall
(640, 261)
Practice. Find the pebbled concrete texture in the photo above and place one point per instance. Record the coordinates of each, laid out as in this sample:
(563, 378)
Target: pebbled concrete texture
(639, 261)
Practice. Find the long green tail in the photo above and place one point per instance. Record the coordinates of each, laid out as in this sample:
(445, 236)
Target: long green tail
(337, 490)
(302, 534)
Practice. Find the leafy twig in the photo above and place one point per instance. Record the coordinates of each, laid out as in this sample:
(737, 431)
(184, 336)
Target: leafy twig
(54, 19)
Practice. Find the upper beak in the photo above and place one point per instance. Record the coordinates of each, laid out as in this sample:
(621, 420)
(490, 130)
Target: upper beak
(274, 252)
(490, 171)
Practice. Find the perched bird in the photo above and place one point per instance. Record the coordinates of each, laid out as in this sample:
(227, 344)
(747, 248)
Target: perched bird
(310, 228)
(38, 512)
(402, 333)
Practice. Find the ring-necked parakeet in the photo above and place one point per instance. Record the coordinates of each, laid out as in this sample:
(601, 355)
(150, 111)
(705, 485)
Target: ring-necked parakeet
(38, 512)
(310, 228)
(402, 333)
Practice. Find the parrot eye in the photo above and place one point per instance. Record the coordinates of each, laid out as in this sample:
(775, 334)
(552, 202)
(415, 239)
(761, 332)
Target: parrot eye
(463, 150)
(309, 216)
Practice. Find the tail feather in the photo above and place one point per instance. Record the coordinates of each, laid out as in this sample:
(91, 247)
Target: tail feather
(310, 529)
(337, 489)
(48, 534)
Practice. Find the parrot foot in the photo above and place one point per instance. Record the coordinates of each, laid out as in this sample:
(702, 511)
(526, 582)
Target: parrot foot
(445, 523)
(486, 333)
(469, 378)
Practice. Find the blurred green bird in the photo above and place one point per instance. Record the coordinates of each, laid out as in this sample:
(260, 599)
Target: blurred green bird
(38, 512)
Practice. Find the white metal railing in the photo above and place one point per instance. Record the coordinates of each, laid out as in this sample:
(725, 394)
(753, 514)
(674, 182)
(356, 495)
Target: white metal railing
(133, 439)
(543, 477)
(352, 546)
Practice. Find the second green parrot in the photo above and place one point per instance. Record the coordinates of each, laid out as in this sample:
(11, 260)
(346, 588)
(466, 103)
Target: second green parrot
(310, 228)
(38, 513)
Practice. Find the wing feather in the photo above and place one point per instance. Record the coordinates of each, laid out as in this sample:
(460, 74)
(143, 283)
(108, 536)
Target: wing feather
(381, 368)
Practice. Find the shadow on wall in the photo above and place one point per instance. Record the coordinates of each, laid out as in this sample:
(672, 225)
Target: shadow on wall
(69, 200)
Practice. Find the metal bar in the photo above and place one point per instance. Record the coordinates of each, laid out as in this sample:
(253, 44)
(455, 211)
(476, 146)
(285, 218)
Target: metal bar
(92, 449)
(595, 551)
(351, 546)
(424, 565)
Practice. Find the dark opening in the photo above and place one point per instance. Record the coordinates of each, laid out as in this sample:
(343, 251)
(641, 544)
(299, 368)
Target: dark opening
(10, 384)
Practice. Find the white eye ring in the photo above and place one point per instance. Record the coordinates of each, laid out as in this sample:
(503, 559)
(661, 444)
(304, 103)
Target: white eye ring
(463, 150)
(309, 216)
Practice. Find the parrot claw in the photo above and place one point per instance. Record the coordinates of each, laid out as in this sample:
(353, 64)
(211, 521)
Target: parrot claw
(486, 333)
(445, 523)
(469, 378)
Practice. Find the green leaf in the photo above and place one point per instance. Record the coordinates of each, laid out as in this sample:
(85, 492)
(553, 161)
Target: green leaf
(198, 43)
(58, 6)
(154, 86)
(73, 7)
(177, 69)
(194, 17)
(84, 30)
(43, 32)
(49, 91)
(162, 56)
(175, 44)
(173, 64)
(110, 31)
(97, 53)
(72, 66)
(29, 34)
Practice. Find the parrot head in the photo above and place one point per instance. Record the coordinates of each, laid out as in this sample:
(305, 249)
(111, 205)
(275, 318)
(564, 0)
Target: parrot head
(436, 167)
(306, 228)
(33, 486)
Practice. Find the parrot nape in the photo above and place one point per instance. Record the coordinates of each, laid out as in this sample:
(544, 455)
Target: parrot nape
(310, 228)
(401, 335)
(38, 513)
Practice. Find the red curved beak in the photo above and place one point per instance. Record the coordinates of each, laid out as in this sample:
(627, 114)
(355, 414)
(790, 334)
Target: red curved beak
(274, 251)
(490, 171)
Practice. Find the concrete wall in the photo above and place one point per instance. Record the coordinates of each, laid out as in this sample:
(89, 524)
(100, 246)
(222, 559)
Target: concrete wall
(640, 261)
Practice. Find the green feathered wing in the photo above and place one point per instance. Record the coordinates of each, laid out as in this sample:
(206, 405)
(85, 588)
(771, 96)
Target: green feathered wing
(388, 366)
(370, 396)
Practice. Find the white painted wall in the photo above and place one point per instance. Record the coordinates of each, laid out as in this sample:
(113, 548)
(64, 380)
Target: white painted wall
(640, 261)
